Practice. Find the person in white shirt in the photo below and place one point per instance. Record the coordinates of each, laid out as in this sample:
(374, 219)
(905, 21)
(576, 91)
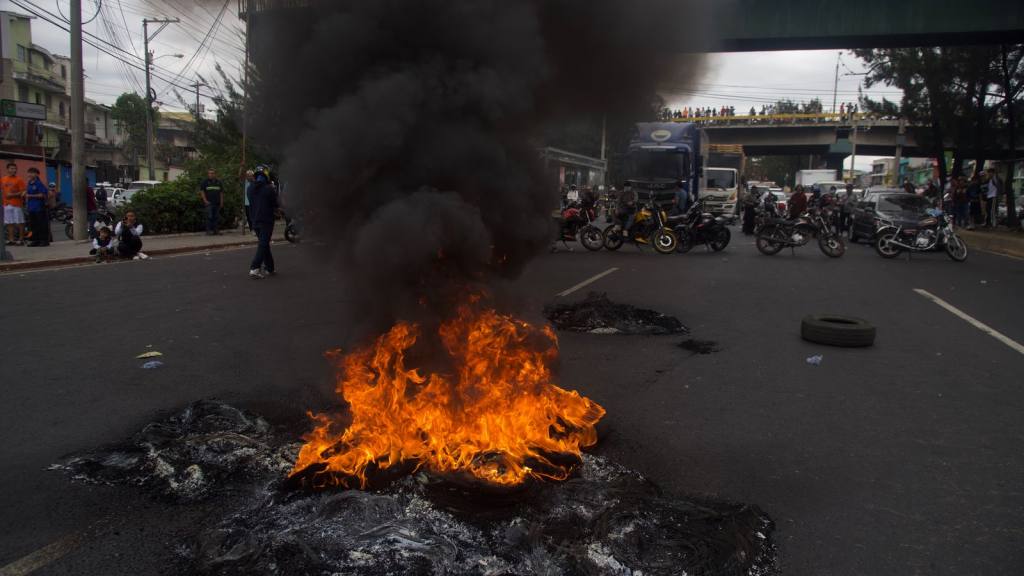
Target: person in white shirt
(129, 238)
(991, 198)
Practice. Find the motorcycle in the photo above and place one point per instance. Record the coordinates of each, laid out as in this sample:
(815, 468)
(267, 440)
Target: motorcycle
(934, 231)
(697, 226)
(577, 218)
(649, 227)
(292, 228)
(776, 234)
(103, 218)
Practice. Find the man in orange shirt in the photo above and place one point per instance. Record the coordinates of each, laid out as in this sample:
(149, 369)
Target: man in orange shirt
(13, 189)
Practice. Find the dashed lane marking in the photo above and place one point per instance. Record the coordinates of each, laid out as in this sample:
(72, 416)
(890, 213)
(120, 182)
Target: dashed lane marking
(587, 282)
(972, 321)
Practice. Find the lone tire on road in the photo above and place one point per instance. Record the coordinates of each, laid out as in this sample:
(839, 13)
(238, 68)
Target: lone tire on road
(832, 330)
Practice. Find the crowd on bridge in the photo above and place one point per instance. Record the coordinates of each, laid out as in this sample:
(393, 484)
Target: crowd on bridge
(768, 113)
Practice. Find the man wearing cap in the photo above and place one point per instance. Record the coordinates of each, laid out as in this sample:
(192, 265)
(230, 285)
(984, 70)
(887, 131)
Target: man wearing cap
(210, 190)
(36, 194)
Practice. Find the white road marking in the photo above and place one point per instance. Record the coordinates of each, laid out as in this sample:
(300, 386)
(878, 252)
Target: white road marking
(972, 321)
(42, 557)
(586, 282)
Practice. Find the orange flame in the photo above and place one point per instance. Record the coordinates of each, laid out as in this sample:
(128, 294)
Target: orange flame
(498, 417)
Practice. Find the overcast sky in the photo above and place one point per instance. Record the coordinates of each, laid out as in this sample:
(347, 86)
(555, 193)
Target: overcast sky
(210, 32)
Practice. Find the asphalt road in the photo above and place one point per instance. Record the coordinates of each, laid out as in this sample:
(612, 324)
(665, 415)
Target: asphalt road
(904, 458)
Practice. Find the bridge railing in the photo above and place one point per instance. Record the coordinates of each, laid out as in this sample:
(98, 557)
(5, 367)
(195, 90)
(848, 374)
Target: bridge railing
(783, 119)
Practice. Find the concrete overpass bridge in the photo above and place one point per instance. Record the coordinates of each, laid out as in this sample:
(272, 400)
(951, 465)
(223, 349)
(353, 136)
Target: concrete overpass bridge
(829, 135)
(749, 25)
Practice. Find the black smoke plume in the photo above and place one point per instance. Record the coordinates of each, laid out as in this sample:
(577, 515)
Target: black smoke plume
(407, 128)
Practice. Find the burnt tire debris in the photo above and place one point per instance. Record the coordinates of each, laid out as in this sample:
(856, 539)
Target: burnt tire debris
(606, 519)
(597, 314)
(835, 330)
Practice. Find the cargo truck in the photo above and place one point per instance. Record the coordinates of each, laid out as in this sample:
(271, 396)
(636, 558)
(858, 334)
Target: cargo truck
(722, 185)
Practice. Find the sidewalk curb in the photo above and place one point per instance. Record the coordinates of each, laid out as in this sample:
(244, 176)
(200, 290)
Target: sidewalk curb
(82, 260)
(997, 243)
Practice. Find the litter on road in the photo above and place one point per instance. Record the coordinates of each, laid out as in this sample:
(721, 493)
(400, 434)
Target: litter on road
(152, 364)
(152, 354)
(815, 360)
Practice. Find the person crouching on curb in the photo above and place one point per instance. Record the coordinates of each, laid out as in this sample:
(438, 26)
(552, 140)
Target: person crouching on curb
(264, 205)
(104, 246)
(129, 238)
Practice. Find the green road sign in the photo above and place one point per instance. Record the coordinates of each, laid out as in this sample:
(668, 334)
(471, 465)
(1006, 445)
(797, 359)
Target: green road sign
(14, 109)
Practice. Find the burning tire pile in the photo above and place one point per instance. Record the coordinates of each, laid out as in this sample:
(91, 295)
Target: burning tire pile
(604, 519)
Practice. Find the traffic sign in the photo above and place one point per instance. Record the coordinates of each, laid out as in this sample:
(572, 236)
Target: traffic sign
(15, 109)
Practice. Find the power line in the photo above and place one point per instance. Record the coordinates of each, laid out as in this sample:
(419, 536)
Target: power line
(43, 16)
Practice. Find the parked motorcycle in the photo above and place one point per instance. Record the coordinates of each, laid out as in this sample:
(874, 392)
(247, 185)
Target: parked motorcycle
(699, 227)
(577, 219)
(776, 234)
(292, 229)
(103, 218)
(934, 231)
(649, 227)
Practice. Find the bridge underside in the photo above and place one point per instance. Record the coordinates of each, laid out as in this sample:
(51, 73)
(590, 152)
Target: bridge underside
(752, 25)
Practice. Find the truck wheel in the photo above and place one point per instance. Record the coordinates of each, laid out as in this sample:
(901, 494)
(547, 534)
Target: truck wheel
(831, 330)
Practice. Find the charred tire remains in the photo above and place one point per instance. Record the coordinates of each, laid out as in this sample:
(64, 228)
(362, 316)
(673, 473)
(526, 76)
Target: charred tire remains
(833, 330)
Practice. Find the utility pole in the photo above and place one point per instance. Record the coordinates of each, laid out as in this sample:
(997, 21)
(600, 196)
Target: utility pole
(900, 136)
(835, 87)
(79, 202)
(853, 159)
(150, 96)
(196, 85)
(604, 142)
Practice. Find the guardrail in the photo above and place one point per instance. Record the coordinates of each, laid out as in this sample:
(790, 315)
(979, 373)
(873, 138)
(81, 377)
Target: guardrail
(783, 119)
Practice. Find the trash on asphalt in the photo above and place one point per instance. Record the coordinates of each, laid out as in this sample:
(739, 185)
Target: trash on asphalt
(152, 364)
(607, 519)
(815, 360)
(151, 354)
(597, 314)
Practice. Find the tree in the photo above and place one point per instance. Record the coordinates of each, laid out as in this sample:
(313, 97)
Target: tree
(1011, 84)
(130, 112)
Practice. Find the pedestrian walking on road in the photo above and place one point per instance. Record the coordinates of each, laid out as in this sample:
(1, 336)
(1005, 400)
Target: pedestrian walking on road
(14, 205)
(129, 238)
(210, 190)
(264, 203)
(36, 194)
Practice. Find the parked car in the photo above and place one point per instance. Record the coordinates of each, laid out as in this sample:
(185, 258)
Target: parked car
(892, 205)
(120, 197)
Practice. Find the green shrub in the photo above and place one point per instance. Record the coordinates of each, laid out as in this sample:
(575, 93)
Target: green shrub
(174, 207)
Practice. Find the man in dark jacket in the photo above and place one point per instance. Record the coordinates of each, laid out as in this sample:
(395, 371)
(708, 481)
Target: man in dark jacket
(263, 203)
(797, 203)
(211, 190)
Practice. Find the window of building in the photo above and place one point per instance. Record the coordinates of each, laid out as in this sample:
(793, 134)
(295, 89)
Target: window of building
(39, 98)
(49, 100)
(22, 93)
(22, 53)
(61, 109)
(63, 72)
